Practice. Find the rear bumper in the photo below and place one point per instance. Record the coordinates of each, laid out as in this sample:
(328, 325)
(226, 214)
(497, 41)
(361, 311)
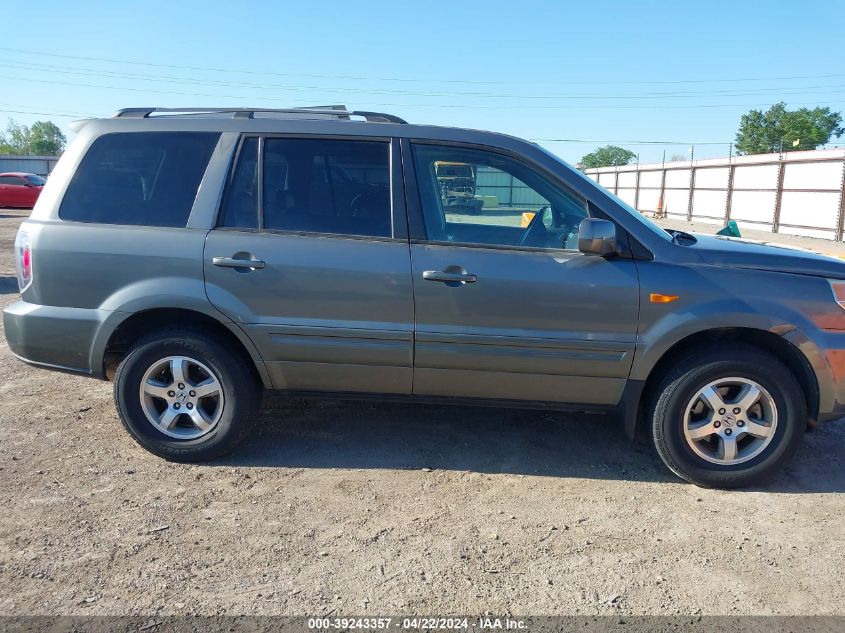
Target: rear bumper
(53, 337)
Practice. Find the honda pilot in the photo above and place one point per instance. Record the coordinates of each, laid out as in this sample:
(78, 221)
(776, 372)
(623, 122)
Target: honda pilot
(197, 257)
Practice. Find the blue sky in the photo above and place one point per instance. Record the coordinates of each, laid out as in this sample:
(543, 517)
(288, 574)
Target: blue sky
(596, 71)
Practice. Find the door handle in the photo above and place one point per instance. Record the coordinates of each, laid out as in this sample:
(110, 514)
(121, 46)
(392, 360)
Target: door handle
(450, 277)
(234, 262)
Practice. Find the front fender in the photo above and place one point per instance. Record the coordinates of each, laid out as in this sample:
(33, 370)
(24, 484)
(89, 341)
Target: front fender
(664, 333)
(794, 307)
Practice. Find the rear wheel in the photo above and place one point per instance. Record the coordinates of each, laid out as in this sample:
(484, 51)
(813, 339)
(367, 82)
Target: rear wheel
(185, 397)
(728, 417)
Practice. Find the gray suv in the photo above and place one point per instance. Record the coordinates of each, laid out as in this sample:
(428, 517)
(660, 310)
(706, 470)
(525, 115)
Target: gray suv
(197, 257)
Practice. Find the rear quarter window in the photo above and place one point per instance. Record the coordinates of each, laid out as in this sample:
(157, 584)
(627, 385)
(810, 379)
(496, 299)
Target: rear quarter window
(139, 178)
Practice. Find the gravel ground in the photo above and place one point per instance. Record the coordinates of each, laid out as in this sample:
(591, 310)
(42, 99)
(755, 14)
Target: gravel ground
(351, 508)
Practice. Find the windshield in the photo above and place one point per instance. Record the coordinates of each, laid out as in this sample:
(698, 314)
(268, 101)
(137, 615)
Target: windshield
(651, 226)
(38, 181)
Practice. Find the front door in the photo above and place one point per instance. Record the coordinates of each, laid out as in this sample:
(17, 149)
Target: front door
(306, 259)
(506, 306)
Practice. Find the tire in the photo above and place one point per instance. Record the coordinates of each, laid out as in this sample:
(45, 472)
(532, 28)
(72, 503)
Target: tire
(679, 411)
(226, 416)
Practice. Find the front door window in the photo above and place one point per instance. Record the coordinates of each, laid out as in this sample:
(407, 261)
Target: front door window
(471, 196)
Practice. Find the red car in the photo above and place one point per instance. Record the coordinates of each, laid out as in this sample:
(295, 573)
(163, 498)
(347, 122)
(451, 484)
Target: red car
(20, 190)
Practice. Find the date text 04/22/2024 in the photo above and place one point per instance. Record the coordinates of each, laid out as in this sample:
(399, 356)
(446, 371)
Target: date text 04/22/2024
(417, 623)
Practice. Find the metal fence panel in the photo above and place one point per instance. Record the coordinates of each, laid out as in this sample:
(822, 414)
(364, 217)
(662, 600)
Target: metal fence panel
(809, 209)
(41, 165)
(801, 193)
(709, 204)
(626, 179)
(711, 177)
(754, 206)
(675, 201)
(812, 176)
(756, 177)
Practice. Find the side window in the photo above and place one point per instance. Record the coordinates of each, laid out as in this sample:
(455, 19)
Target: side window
(240, 204)
(144, 178)
(327, 186)
(477, 197)
(7, 180)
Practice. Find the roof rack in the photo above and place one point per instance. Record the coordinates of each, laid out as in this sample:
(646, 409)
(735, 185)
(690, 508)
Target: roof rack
(336, 112)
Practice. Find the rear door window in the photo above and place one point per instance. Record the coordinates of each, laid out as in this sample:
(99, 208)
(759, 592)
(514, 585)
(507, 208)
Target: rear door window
(327, 186)
(330, 186)
(141, 178)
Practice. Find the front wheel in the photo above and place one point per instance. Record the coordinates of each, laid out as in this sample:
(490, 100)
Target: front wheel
(728, 417)
(184, 396)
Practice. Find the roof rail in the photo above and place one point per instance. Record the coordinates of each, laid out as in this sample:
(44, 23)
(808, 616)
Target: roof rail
(337, 112)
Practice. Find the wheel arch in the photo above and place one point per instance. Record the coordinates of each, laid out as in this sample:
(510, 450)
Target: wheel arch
(138, 324)
(764, 340)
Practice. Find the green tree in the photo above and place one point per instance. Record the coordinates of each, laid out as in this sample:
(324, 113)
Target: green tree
(15, 139)
(779, 129)
(44, 138)
(607, 156)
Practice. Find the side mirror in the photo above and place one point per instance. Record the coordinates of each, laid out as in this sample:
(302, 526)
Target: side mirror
(597, 237)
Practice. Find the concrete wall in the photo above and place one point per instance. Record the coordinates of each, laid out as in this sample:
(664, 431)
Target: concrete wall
(41, 165)
(798, 193)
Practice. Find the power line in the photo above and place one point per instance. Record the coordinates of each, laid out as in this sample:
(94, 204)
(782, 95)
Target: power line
(400, 105)
(575, 140)
(408, 79)
(826, 89)
(66, 112)
(56, 114)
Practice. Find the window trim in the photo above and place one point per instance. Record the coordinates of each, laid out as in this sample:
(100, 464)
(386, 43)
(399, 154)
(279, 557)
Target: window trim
(416, 215)
(393, 175)
(259, 183)
(227, 187)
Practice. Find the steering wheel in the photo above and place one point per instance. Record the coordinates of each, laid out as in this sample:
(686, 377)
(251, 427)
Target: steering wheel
(569, 230)
(532, 231)
(355, 203)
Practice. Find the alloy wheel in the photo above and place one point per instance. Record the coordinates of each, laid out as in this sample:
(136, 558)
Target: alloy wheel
(181, 397)
(730, 421)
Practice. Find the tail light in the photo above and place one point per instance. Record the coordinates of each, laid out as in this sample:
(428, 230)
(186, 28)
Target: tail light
(23, 259)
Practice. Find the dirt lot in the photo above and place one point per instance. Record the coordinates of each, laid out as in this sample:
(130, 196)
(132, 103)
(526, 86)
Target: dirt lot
(373, 509)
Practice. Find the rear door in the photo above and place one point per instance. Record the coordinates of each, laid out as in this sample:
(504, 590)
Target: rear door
(506, 305)
(311, 257)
